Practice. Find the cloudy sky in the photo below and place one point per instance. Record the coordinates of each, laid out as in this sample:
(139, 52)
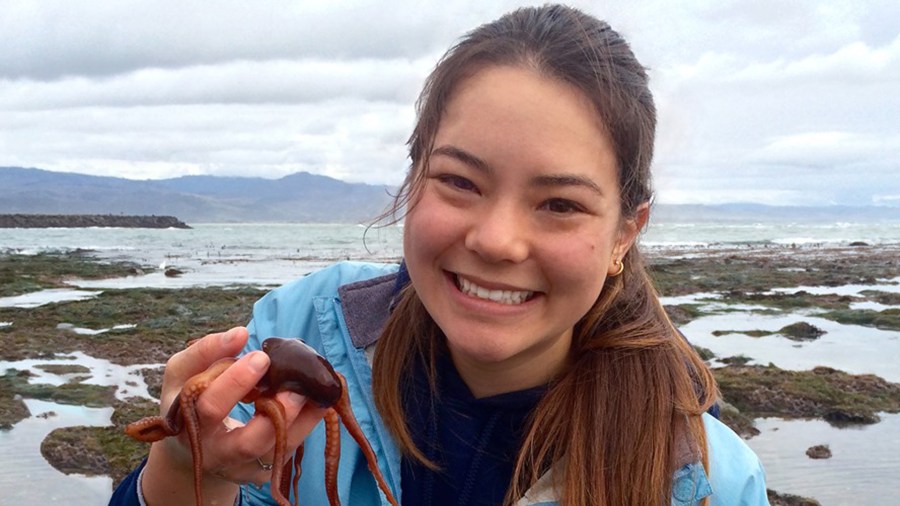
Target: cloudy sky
(769, 101)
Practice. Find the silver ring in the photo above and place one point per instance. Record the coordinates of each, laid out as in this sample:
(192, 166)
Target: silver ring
(264, 467)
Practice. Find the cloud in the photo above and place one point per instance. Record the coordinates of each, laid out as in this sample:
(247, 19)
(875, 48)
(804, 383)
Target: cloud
(853, 64)
(747, 92)
(352, 140)
(51, 40)
(887, 199)
(238, 82)
(818, 108)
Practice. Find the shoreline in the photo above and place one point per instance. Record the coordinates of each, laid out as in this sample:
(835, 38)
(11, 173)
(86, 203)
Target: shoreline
(89, 220)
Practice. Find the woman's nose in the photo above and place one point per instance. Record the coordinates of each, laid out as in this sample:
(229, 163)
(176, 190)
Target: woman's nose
(500, 234)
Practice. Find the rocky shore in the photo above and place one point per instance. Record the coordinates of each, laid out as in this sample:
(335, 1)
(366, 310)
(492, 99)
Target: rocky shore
(88, 220)
(165, 319)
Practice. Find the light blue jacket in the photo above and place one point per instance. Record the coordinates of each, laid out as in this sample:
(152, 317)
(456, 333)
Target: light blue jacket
(340, 312)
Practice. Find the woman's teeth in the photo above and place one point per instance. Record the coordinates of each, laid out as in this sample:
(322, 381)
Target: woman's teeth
(501, 296)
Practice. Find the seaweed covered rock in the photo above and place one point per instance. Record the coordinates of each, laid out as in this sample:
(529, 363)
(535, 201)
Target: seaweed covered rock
(742, 424)
(801, 331)
(776, 499)
(75, 450)
(12, 408)
(819, 452)
(100, 450)
(838, 397)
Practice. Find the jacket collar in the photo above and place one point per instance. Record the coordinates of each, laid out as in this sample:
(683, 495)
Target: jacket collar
(366, 306)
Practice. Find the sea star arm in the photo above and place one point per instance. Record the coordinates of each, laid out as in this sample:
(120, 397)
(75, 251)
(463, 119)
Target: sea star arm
(349, 420)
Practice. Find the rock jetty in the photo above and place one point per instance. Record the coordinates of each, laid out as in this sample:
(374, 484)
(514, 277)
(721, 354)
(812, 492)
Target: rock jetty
(88, 220)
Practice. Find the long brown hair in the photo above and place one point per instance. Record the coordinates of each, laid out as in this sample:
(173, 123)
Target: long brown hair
(633, 388)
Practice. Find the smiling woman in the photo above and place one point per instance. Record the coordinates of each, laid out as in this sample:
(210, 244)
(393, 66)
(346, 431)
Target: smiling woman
(521, 201)
(519, 354)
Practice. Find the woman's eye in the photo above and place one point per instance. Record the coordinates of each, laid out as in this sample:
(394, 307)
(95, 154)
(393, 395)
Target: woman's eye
(562, 206)
(458, 182)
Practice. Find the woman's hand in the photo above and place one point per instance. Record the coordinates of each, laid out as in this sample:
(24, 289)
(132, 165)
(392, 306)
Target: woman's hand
(231, 451)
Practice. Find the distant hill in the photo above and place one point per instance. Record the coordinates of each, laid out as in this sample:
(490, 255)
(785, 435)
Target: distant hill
(304, 197)
(299, 197)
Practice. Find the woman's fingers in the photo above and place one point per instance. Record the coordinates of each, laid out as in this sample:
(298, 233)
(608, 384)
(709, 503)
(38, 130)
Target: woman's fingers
(301, 416)
(257, 437)
(197, 357)
(203, 352)
(224, 392)
(308, 415)
(241, 447)
(230, 451)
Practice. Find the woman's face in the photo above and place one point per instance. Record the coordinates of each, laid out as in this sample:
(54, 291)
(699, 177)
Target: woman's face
(517, 225)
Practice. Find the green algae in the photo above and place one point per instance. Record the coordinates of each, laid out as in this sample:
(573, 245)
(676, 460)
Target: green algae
(165, 320)
(760, 270)
(828, 306)
(881, 297)
(742, 424)
(737, 360)
(788, 302)
(705, 353)
(836, 396)
(14, 385)
(778, 499)
(888, 319)
(751, 333)
(743, 281)
(63, 368)
(21, 274)
(12, 409)
(800, 331)
(681, 314)
(74, 393)
(100, 450)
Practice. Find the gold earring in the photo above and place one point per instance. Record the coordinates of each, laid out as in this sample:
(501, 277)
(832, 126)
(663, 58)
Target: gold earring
(621, 265)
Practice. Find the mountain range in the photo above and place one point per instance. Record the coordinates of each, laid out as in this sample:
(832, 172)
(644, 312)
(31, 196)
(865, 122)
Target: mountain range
(300, 197)
(309, 198)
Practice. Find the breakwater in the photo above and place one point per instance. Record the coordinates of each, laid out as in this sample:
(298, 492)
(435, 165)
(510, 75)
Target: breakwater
(88, 220)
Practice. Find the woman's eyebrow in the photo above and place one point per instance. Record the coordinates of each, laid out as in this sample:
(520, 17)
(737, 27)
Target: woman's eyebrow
(568, 180)
(464, 157)
(546, 180)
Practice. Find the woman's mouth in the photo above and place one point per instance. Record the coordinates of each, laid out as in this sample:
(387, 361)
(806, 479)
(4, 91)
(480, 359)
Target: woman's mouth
(511, 297)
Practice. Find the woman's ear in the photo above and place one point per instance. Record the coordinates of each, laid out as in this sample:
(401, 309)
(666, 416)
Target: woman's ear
(628, 233)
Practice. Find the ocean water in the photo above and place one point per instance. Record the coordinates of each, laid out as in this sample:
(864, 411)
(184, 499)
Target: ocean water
(217, 254)
(799, 233)
(863, 469)
(267, 254)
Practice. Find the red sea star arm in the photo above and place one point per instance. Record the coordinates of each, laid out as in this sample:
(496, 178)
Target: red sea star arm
(155, 428)
(298, 460)
(295, 367)
(346, 412)
(275, 411)
(182, 414)
(332, 455)
(284, 485)
(187, 399)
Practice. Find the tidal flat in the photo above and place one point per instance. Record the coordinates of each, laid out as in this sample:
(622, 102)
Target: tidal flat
(735, 303)
(46, 346)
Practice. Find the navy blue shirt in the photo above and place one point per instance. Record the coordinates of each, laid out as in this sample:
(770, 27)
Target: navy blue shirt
(474, 441)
